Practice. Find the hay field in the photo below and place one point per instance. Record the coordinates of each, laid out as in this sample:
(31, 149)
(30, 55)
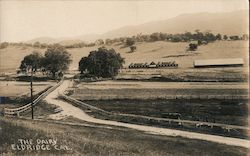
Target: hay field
(11, 57)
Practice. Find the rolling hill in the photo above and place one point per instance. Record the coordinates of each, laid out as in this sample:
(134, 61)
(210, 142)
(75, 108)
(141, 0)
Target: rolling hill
(11, 56)
(230, 23)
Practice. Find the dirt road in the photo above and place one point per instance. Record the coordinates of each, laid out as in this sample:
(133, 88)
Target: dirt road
(70, 110)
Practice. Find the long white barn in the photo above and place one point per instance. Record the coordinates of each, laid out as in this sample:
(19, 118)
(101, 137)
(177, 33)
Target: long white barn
(219, 62)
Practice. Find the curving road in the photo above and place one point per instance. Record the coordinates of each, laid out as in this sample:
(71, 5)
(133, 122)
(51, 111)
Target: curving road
(70, 110)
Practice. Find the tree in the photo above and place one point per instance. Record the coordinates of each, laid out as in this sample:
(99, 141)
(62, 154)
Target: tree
(56, 59)
(155, 37)
(225, 37)
(193, 46)
(37, 45)
(31, 62)
(133, 48)
(99, 42)
(108, 41)
(84, 64)
(4, 45)
(218, 37)
(102, 63)
(235, 37)
(130, 41)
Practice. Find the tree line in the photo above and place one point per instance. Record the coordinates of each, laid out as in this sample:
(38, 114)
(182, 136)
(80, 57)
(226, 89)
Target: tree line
(197, 35)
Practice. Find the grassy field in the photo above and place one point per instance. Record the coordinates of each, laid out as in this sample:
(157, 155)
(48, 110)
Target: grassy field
(146, 52)
(82, 140)
(18, 89)
(220, 111)
(151, 99)
(17, 94)
(106, 90)
(228, 74)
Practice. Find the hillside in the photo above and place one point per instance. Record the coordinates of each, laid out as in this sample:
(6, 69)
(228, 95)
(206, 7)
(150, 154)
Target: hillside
(230, 23)
(146, 52)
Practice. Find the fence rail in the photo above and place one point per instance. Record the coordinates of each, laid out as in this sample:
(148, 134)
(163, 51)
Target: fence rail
(178, 121)
(17, 111)
(201, 97)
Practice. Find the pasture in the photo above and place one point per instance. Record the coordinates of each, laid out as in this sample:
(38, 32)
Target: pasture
(107, 90)
(146, 52)
(232, 112)
(18, 93)
(18, 89)
(200, 101)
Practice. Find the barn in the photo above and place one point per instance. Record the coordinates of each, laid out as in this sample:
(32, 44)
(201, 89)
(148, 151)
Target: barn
(233, 62)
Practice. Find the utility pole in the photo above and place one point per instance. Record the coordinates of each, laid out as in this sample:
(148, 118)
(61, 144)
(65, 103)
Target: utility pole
(31, 92)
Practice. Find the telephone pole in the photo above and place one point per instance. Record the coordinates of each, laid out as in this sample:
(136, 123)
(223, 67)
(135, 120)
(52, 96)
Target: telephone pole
(31, 92)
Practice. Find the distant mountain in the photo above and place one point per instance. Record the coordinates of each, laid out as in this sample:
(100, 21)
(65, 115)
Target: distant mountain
(230, 23)
(48, 40)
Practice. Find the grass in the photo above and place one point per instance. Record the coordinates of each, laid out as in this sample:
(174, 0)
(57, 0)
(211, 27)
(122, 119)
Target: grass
(221, 111)
(230, 113)
(41, 110)
(17, 89)
(228, 74)
(106, 94)
(154, 51)
(149, 99)
(146, 52)
(18, 101)
(102, 141)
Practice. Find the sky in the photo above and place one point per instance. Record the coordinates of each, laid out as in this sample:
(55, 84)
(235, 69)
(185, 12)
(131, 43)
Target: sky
(22, 20)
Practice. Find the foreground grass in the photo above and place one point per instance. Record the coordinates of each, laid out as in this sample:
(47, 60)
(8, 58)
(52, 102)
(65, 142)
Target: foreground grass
(41, 110)
(103, 141)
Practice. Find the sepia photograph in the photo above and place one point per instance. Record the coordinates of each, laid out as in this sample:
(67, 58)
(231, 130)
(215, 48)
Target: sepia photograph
(124, 78)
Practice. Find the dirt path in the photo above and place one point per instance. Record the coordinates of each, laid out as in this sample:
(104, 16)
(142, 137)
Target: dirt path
(70, 110)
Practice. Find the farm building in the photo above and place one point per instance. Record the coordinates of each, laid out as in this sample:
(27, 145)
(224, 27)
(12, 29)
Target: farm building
(153, 65)
(138, 65)
(235, 62)
(167, 64)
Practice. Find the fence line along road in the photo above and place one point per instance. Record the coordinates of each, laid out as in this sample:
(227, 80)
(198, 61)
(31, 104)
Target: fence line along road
(17, 111)
(178, 121)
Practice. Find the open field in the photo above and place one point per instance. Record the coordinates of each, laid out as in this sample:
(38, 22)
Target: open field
(153, 99)
(233, 112)
(17, 94)
(105, 141)
(146, 52)
(17, 89)
(106, 90)
(226, 74)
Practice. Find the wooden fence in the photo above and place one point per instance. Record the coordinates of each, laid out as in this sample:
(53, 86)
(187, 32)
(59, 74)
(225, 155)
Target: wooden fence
(169, 97)
(177, 121)
(17, 111)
